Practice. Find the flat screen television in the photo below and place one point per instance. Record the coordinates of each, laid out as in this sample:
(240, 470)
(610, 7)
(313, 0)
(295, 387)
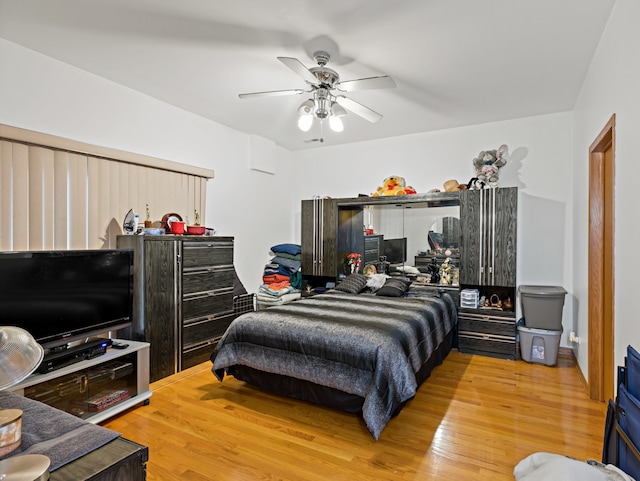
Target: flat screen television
(395, 250)
(64, 296)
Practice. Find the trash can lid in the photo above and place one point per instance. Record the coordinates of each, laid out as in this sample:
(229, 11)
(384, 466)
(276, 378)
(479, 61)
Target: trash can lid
(536, 330)
(542, 290)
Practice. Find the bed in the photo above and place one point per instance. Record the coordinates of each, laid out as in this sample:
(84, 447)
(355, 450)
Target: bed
(356, 352)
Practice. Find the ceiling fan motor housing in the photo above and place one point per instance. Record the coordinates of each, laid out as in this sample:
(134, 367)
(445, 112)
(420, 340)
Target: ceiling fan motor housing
(321, 57)
(327, 77)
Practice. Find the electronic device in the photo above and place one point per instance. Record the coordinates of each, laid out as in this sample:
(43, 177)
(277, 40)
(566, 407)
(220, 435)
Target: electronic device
(62, 297)
(55, 359)
(395, 250)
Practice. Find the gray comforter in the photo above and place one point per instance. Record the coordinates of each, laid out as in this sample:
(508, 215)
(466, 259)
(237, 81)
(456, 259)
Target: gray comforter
(365, 345)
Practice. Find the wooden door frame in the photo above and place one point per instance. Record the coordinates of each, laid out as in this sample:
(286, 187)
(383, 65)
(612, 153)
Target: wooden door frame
(601, 280)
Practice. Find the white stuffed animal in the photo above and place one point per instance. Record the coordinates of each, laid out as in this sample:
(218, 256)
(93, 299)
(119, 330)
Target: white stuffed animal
(488, 165)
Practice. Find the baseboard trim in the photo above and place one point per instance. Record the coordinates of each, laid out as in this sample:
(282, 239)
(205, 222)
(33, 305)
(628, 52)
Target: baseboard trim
(567, 353)
(570, 354)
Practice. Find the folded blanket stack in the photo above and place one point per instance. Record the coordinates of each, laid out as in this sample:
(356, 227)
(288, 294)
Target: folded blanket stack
(282, 278)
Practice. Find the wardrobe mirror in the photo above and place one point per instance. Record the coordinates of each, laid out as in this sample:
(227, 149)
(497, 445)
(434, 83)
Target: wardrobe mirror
(413, 222)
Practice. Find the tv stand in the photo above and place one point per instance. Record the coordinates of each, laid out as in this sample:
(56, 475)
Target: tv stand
(94, 388)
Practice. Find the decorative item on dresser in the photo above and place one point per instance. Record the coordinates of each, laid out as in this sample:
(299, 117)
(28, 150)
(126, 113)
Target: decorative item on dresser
(488, 263)
(183, 297)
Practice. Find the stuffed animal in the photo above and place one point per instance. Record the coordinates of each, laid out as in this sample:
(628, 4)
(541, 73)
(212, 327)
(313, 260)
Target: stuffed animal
(394, 185)
(488, 165)
(475, 184)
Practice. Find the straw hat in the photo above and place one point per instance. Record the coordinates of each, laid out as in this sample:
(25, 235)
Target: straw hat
(453, 186)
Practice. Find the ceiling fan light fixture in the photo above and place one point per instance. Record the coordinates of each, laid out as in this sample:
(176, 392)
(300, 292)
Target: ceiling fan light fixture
(335, 123)
(337, 109)
(306, 108)
(304, 122)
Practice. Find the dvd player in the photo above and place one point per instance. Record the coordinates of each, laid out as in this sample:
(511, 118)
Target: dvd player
(57, 359)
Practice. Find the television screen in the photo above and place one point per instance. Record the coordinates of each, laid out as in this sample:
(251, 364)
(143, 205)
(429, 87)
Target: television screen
(395, 250)
(61, 296)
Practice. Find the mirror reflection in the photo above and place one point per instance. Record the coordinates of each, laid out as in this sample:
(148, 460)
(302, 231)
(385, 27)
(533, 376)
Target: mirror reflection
(415, 223)
(444, 235)
(412, 235)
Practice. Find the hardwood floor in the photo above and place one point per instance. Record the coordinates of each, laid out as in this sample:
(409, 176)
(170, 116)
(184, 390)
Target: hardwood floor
(473, 419)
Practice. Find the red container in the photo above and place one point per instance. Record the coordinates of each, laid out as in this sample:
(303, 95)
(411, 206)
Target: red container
(196, 229)
(177, 227)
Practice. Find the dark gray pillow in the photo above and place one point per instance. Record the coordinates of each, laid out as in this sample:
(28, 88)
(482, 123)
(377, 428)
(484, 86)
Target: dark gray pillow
(352, 284)
(394, 287)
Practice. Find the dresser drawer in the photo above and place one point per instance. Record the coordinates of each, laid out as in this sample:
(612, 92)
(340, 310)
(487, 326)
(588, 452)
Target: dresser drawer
(213, 253)
(210, 279)
(205, 330)
(371, 256)
(487, 332)
(197, 354)
(487, 325)
(372, 249)
(486, 345)
(205, 305)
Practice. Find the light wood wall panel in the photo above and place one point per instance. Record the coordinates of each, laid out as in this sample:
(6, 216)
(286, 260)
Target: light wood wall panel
(52, 198)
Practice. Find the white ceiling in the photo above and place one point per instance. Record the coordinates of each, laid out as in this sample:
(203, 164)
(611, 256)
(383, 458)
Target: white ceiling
(455, 62)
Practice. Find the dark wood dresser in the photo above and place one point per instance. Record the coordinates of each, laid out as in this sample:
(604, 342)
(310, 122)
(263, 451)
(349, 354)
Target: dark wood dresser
(182, 299)
(489, 332)
(118, 460)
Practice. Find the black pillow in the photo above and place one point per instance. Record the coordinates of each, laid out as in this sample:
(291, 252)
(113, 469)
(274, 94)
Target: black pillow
(352, 284)
(394, 287)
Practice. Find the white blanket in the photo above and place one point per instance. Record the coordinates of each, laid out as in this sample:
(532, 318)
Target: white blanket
(554, 467)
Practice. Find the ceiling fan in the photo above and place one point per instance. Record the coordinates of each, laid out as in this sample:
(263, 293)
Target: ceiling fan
(326, 89)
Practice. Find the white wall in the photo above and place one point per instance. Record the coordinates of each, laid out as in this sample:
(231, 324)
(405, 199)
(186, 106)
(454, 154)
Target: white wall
(42, 94)
(540, 166)
(611, 86)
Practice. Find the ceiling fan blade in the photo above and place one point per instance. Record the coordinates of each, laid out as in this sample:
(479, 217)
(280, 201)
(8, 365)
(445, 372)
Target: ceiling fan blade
(298, 67)
(272, 93)
(369, 83)
(358, 109)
